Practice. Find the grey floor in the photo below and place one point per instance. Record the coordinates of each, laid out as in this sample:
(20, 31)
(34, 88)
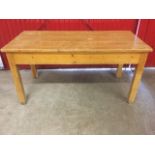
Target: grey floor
(77, 102)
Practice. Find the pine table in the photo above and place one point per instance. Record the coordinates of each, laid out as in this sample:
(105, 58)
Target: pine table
(76, 47)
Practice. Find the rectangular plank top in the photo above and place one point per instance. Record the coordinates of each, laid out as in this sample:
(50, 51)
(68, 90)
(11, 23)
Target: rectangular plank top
(76, 41)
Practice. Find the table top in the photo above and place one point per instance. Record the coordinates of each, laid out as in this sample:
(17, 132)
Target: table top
(76, 41)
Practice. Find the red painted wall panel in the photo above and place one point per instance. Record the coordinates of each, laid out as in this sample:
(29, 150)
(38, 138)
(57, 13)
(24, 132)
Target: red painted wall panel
(147, 33)
(113, 24)
(92, 24)
(65, 24)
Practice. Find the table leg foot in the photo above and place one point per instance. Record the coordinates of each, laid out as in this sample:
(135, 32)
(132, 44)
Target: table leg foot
(22, 103)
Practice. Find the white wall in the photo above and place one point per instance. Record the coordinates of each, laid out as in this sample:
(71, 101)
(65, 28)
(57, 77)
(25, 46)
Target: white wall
(1, 63)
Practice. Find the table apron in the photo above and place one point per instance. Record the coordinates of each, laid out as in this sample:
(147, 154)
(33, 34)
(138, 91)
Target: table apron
(48, 58)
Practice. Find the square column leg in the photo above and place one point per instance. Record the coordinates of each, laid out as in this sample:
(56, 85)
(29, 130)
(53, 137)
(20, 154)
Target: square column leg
(34, 71)
(17, 79)
(137, 78)
(119, 72)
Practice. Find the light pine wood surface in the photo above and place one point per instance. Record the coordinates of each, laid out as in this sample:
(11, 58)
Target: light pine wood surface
(76, 47)
(76, 41)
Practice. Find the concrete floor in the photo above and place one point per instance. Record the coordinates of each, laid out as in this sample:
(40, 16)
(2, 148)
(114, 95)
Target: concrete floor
(77, 102)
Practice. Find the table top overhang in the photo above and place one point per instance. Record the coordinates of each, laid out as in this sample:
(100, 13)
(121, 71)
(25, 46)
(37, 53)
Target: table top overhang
(76, 41)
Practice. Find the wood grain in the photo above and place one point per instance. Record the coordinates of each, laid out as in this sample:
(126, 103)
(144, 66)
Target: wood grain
(48, 58)
(76, 41)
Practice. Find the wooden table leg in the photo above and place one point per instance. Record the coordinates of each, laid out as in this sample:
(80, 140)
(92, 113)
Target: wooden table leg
(17, 79)
(34, 71)
(119, 71)
(137, 78)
